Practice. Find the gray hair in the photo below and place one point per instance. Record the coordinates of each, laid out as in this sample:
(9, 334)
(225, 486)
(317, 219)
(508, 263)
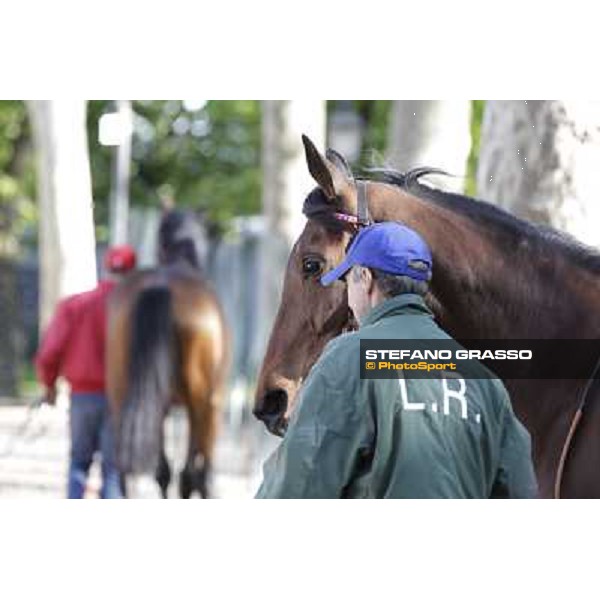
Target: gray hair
(394, 285)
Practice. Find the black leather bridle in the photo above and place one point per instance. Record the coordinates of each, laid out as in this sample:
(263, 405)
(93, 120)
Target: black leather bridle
(362, 217)
(358, 221)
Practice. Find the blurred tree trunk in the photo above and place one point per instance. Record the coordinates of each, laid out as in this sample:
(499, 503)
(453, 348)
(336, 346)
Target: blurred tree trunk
(539, 159)
(67, 239)
(286, 182)
(431, 133)
(121, 175)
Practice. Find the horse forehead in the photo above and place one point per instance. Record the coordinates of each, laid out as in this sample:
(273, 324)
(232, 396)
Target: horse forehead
(314, 235)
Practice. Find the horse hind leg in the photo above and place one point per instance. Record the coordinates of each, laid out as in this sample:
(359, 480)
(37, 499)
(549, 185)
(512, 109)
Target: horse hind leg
(185, 483)
(203, 412)
(186, 477)
(194, 477)
(203, 381)
(163, 475)
(197, 471)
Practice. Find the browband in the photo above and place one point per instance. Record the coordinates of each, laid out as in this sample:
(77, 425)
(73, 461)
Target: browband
(362, 218)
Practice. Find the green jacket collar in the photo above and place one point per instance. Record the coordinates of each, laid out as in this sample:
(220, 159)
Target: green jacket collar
(404, 304)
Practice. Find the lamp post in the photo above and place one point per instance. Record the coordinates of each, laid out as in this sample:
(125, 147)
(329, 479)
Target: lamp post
(345, 130)
(115, 129)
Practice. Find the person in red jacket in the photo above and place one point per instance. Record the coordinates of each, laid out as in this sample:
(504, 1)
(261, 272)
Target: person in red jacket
(74, 346)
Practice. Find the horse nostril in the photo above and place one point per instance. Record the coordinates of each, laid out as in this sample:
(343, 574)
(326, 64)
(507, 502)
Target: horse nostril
(273, 405)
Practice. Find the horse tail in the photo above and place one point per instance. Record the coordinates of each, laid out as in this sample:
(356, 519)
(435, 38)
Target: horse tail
(150, 381)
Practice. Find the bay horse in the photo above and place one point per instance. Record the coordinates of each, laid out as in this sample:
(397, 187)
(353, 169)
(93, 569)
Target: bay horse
(495, 276)
(167, 342)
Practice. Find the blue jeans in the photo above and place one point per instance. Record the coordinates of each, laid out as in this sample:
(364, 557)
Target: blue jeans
(91, 432)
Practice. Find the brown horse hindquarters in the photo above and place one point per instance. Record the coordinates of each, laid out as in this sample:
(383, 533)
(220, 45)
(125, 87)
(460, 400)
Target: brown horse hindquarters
(195, 342)
(203, 352)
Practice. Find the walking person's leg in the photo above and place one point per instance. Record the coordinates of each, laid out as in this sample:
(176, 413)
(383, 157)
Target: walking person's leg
(111, 478)
(83, 422)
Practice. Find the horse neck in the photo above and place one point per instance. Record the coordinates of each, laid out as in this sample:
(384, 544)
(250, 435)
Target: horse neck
(483, 289)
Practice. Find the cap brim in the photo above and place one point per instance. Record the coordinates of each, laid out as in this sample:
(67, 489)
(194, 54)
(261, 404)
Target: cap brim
(336, 273)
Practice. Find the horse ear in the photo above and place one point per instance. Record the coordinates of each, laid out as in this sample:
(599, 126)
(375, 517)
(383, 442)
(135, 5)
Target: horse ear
(318, 168)
(339, 161)
(332, 179)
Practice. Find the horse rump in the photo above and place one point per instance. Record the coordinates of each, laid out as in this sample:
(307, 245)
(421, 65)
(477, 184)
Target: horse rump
(150, 381)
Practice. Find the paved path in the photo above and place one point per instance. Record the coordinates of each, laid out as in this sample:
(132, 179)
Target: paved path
(33, 457)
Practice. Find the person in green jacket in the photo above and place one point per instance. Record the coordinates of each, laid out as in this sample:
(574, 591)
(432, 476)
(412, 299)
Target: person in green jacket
(350, 437)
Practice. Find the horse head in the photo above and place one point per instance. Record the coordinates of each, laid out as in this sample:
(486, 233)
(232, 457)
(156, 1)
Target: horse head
(310, 314)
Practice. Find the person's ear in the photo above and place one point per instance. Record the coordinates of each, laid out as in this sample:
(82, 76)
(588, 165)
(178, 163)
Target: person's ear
(368, 280)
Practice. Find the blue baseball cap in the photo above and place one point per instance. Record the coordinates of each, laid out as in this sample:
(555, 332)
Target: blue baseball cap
(389, 247)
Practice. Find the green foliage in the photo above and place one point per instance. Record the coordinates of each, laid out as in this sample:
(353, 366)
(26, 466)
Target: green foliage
(18, 212)
(477, 108)
(29, 385)
(374, 115)
(207, 157)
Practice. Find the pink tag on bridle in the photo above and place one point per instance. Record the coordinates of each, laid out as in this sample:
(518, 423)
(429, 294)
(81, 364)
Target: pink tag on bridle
(362, 217)
(346, 218)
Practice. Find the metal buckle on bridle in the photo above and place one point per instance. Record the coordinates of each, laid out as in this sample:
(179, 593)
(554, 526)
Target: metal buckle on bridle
(362, 217)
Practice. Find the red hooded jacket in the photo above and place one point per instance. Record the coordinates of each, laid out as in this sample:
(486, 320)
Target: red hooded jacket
(74, 343)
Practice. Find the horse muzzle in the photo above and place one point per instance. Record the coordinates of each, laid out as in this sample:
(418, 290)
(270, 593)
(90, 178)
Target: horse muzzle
(271, 409)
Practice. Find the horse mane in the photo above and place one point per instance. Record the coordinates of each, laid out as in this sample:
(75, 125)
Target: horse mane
(541, 238)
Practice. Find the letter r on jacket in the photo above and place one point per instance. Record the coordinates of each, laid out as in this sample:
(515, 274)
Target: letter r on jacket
(456, 394)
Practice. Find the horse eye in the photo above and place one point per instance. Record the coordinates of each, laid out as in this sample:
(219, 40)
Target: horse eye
(310, 266)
